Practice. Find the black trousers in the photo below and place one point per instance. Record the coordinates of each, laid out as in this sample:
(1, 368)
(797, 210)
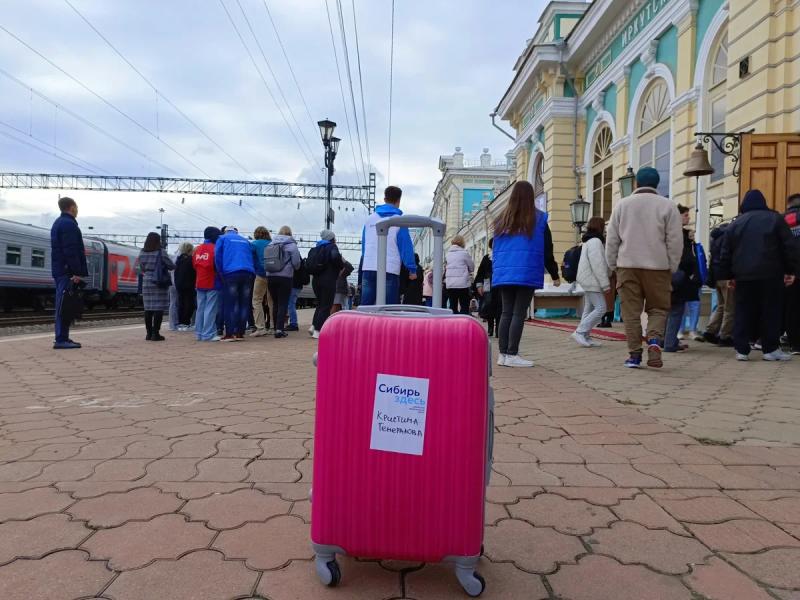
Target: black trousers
(152, 321)
(325, 295)
(516, 302)
(759, 314)
(280, 288)
(791, 321)
(186, 306)
(459, 300)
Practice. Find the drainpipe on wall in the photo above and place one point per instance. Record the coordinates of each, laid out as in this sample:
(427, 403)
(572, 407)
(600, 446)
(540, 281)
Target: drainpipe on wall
(500, 129)
(563, 45)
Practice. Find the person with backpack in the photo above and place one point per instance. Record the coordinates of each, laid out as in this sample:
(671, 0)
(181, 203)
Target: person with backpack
(300, 279)
(760, 256)
(233, 260)
(593, 277)
(154, 266)
(686, 284)
(261, 294)
(719, 330)
(523, 250)
(342, 288)
(324, 263)
(208, 286)
(185, 280)
(458, 276)
(489, 307)
(644, 244)
(281, 258)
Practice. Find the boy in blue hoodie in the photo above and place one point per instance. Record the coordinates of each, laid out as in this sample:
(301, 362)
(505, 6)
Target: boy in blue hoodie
(233, 258)
(399, 251)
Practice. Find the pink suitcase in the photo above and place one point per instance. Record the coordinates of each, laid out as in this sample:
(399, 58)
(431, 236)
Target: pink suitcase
(402, 440)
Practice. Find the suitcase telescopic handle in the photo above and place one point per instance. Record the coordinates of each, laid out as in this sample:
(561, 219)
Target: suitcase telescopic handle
(382, 228)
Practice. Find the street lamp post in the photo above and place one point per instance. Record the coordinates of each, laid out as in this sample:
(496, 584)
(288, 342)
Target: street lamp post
(331, 145)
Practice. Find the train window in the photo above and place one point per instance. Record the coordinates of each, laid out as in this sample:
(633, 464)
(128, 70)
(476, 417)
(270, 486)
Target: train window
(37, 258)
(14, 255)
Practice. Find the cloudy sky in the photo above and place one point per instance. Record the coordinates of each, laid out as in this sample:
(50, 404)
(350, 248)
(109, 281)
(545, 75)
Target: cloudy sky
(453, 61)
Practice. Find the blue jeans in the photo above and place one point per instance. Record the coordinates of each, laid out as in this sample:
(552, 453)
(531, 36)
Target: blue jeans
(674, 322)
(205, 322)
(293, 306)
(238, 289)
(369, 288)
(691, 315)
(62, 326)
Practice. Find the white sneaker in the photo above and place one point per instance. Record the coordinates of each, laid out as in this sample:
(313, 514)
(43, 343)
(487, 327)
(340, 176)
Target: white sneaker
(681, 335)
(777, 356)
(501, 360)
(742, 357)
(593, 343)
(311, 330)
(697, 336)
(580, 339)
(512, 360)
(259, 333)
(216, 338)
(315, 335)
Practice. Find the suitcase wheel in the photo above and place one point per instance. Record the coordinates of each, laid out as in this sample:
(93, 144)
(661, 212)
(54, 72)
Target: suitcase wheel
(473, 583)
(329, 572)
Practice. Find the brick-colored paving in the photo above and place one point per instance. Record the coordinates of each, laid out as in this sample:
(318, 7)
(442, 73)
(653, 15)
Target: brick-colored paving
(133, 470)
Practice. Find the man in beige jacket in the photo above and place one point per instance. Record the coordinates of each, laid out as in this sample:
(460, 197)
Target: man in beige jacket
(644, 244)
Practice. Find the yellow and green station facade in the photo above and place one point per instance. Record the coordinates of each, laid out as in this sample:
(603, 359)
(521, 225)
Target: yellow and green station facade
(613, 84)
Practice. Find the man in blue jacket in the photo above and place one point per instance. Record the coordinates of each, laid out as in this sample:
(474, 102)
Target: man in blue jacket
(399, 250)
(233, 258)
(68, 264)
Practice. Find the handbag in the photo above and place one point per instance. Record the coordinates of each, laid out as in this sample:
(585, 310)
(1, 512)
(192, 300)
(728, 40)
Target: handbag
(486, 306)
(161, 273)
(71, 304)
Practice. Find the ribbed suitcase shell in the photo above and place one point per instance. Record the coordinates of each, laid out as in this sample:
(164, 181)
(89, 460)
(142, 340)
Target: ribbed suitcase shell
(379, 504)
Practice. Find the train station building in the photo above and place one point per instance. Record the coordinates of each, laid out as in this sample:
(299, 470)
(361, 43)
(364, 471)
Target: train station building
(612, 84)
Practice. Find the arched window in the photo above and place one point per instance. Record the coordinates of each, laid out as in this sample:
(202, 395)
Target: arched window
(717, 102)
(538, 176)
(654, 133)
(602, 174)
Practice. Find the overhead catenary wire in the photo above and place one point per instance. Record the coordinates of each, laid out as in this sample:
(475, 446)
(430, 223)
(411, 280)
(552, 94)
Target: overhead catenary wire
(344, 102)
(361, 86)
(391, 90)
(158, 92)
(310, 160)
(86, 122)
(346, 53)
(44, 150)
(104, 100)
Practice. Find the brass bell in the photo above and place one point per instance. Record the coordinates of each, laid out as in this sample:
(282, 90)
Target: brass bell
(698, 163)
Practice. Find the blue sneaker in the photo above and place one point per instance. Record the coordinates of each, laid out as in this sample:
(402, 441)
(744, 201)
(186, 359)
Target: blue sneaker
(65, 345)
(634, 361)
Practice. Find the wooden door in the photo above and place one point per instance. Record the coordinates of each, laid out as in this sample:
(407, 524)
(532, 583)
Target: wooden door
(771, 163)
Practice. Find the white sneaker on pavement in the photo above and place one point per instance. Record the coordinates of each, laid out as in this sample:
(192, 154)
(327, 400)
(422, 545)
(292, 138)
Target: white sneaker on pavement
(501, 360)
(315, 335)
(512, 360)
(580, 339)
(742, 357)
(777, 356)
(259, 333)
(311, 330)
(593, 343)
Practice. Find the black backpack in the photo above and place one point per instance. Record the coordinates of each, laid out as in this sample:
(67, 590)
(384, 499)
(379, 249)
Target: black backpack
(569, 268)
(316, 260)
(301, 276)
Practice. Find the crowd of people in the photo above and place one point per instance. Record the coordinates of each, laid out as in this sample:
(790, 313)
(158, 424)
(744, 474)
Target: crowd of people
(229, 286)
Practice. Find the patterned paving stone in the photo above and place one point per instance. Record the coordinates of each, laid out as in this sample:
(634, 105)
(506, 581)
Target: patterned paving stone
(717, 580)
(605, 496)
(110, 510)
(602, 578)
(785, 510)
(573, 517)
(503, 581)
(522, 474)
(533, 549)
(742, 536)
(60, 576)
(773, 567)
(298, 581)
(644, 511)
(576, 475)
(39, 536)
(226, 511)
(27, 504)
(267, 545)
(135, 544)
(706, 510)
(630, 543)
(202, 575)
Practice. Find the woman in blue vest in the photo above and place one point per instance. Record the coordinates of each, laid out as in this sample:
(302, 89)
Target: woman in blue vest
(523, 249)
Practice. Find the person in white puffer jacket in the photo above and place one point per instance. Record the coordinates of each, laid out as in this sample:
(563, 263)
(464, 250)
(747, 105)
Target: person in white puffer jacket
(593, 277)
(458, 276)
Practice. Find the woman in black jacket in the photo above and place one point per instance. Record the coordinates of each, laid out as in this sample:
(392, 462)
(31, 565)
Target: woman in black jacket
(185, 279)
(324, 281)
(490, 306)
(411, 289)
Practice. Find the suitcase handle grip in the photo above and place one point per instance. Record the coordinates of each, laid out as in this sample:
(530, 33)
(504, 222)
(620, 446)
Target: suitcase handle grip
(382, 228)
(405, 308)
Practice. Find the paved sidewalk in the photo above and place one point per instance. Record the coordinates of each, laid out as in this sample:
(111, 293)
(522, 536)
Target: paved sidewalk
(132, 470)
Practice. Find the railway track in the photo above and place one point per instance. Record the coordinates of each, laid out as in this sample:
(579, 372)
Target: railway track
(43, 318)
